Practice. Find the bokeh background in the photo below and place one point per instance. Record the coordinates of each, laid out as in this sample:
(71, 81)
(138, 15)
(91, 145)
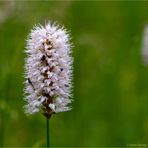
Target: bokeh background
(110, 105)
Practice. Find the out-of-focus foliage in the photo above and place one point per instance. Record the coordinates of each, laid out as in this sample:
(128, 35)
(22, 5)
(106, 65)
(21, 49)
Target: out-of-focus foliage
(110, 80)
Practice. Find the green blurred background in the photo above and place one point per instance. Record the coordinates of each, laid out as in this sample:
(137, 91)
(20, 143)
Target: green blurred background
(110, 79)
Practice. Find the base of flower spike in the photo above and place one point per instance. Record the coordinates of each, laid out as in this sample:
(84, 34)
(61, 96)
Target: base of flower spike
(47, 111)
(48, 115)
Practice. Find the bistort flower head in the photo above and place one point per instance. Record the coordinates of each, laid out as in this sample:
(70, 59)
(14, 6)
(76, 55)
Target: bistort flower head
(48, 70)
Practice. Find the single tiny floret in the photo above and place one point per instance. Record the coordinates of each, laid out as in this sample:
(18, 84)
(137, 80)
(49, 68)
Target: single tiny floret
(48, 70)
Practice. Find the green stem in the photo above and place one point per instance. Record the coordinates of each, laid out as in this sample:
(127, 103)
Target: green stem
(48, 141)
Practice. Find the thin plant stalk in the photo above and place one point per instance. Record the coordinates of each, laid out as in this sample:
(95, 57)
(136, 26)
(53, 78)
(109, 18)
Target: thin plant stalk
(47, 130)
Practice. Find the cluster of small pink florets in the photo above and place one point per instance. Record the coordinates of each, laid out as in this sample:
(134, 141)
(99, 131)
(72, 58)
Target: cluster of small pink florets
(48, 70)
